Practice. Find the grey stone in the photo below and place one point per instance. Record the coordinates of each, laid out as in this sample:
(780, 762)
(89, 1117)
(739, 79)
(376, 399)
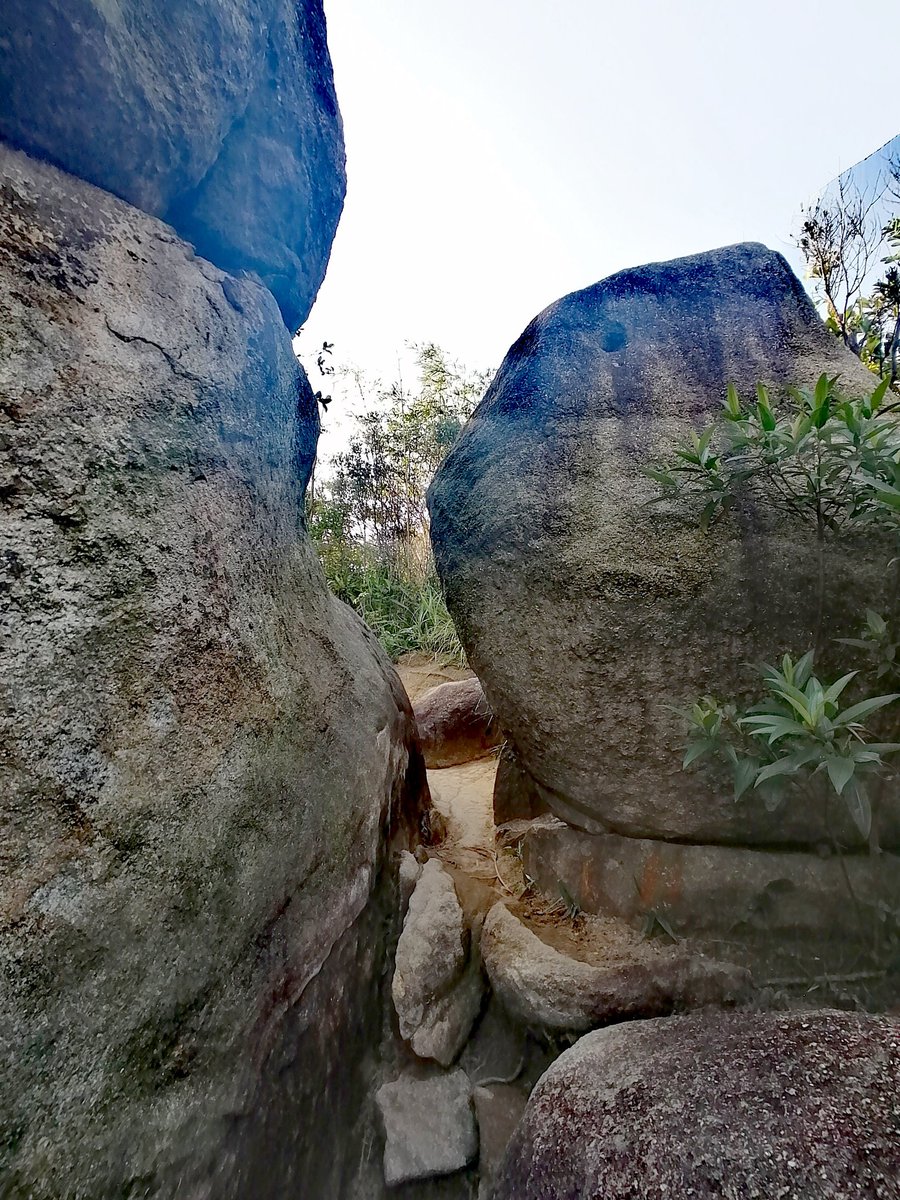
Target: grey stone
(585, 611)
(455, 723)
(515, 796)
(429, 1126)
(203, 750)
(496, 1049)
(725, 891)
(218, 116)
(714, 1105)
(552, 992)
(408, 874)
(498, 1109)
(437, 986)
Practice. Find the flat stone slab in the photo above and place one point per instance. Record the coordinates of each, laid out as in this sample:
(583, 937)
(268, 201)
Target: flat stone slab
(713, 890)
(429, 1126)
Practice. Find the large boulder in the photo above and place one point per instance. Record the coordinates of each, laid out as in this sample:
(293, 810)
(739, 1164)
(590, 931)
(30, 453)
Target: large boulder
(455, 723)
(204, 753)
(726, 1106)
(585, 611)
(218, 117)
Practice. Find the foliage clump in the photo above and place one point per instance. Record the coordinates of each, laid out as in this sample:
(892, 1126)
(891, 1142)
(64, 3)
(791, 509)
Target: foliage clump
(831, 462)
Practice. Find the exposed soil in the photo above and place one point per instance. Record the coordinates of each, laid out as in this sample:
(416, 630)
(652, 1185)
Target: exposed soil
(484, 860)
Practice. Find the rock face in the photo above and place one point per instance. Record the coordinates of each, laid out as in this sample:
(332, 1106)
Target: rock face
(584, 611)
(218, 117)
(515, 796)
(716, 891)
(727, 1106)
(437, 986)
(553, 993)
(429, 1126)
(455, 724)
(204, 753)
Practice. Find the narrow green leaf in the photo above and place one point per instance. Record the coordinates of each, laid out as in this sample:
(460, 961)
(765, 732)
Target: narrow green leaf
(875, 400)
(876, 622)
(840, 771)
(745, 770)
(696, 750)
(803, 669)
(835, 690)
(822, 390)
(860, 810)
(857, 711)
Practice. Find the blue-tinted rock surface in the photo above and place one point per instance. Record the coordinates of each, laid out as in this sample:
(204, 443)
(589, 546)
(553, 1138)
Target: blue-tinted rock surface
(219, 116)
(586, 612)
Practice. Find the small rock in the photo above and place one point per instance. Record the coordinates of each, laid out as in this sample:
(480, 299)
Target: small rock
(429, 1126)
(553, 992)
(437, 990)
(455, 723)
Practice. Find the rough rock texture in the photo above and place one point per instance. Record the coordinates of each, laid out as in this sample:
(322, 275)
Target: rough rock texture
(584, 611)
(721, 890)
(552, 992)
(437, 985)
(219, 117)
(203, 752)
(455, 724)
(429, 1126)
(725, 1106)
(498, 1109)
(497, 1049)
(515, 796)
(408, 873)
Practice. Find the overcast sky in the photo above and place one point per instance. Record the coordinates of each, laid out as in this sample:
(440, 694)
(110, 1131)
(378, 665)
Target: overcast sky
(504, 152)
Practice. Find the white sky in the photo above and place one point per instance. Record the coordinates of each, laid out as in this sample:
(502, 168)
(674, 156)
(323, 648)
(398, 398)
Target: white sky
(504, 152)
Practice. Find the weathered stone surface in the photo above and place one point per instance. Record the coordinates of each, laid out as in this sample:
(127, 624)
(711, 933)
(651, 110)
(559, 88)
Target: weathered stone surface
(552, 992)
(583, 610)
(498, 1109)
(217, 116)
(715, 890)
(714, 1105)
(408, 873)
(429, 1126)
(203, 750)
(455, 724)
(437, 986)
(515, 796)
(496, 1050)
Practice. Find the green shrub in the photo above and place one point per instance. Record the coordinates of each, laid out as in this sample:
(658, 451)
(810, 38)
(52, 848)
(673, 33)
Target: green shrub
(404, 608)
